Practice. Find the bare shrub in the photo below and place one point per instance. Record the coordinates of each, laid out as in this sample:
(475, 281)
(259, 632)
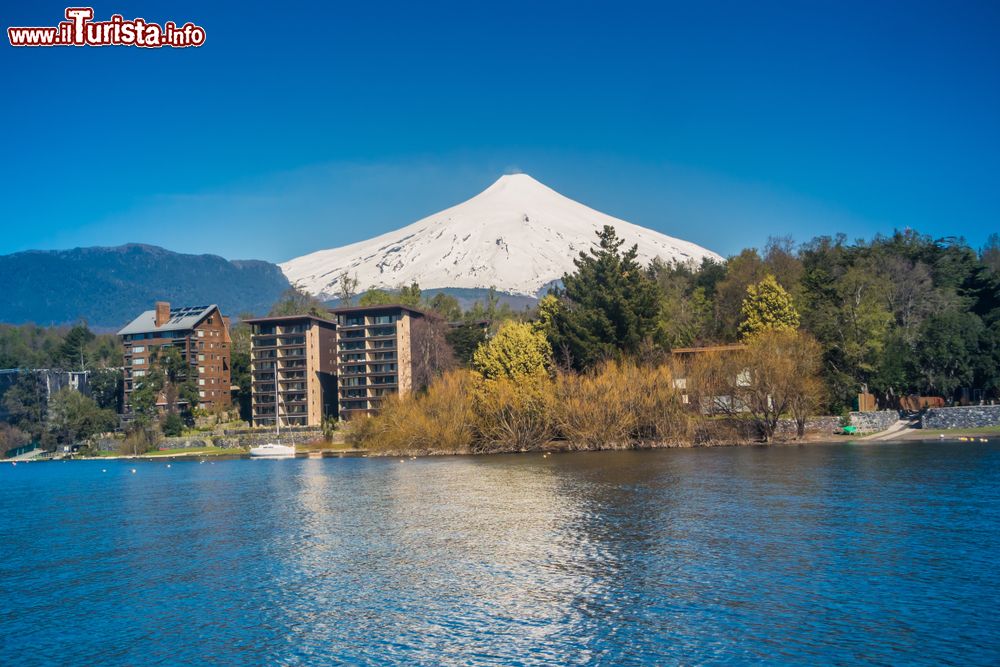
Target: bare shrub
(514, 414)
(775, 374)
(620, 404)
(661, 416)
(437, 421)
(139, 440)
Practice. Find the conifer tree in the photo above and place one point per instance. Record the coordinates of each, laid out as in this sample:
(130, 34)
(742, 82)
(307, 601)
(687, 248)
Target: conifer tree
(609, 305)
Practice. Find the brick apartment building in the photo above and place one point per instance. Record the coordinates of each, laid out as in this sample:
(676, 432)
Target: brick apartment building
(337, 368)
(200, 333)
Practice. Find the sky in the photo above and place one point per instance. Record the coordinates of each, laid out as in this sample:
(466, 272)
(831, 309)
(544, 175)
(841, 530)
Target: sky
(302, 125)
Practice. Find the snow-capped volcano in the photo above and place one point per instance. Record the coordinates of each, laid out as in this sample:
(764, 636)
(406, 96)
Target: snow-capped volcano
(516, 235)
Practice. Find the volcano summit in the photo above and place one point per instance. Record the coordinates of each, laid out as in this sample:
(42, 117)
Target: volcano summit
(517, 235)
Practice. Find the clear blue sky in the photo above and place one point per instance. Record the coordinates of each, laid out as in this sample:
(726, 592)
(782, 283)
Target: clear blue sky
(301, 126)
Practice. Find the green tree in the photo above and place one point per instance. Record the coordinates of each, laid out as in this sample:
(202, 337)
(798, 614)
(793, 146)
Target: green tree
(446, 306)
(518, 350)
(989, 255)
(145, 395)
(686, 308)
(464, 339)
(376, 297)
(767, 307)
(609, 305)
(347, 287)
(239, 359)
(410, 295)
(297, 302)
(73, 353)
(946, 352)
(73, 417)
(26, 404)
(742, 271)
(106, 386)
(172, 425)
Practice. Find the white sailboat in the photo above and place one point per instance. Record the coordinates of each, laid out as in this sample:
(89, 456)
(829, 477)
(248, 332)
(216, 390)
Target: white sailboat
(274, 450)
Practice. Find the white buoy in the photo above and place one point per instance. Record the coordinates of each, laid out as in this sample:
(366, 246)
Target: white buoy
(104, 469)
(133, 471)
(168, 465)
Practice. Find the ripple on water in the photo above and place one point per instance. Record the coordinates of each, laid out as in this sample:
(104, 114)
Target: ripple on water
(827, 554)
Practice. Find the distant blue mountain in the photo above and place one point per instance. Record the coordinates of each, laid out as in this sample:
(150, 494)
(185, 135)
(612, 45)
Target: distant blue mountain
(108, 287)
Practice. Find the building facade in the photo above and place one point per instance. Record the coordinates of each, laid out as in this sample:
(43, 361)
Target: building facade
(339, 368)
(199, 333)
(374, 355)
(293, 370)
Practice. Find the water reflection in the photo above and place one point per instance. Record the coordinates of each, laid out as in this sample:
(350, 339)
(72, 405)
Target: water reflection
(814, 554)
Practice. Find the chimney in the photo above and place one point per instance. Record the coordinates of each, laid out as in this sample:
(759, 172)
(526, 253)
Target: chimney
(162, 313)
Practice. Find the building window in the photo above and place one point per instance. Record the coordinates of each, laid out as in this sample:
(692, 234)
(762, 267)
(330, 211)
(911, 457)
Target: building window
(201, 381)
(201, 333)
(138, 349)
(201, 394)
(201, 357)
(138, 374)
(138, 362)
(201, 369)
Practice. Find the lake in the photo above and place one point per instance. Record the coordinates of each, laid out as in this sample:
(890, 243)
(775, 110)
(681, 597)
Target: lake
(867, 553)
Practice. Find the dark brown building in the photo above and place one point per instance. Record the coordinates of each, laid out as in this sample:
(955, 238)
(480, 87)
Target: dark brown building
(300, 352)
(342, 368)
(200, 333)
(374, 355)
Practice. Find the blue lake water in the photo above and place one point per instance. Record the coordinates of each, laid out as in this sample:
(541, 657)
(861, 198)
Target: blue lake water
(879, 554)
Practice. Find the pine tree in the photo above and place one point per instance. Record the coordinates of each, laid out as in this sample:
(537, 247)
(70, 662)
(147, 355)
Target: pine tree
(609, 305)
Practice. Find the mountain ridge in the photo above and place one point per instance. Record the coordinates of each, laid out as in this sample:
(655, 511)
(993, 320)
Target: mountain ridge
(109, 285)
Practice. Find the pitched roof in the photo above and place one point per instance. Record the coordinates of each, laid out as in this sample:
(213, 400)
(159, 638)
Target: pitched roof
(181, 319)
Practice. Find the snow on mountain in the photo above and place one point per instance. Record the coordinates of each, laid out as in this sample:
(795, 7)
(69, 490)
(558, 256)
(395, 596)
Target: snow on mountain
(517, 235)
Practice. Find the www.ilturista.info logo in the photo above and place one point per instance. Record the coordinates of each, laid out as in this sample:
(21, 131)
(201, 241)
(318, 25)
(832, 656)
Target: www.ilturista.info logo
(81, 30)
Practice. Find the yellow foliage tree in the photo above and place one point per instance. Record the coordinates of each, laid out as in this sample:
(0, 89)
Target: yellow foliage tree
(767, 307)
(518, 350)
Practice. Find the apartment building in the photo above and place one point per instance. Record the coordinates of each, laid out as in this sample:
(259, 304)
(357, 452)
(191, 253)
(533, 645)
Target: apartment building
(374, 355)
(200, 333)
(299, 353)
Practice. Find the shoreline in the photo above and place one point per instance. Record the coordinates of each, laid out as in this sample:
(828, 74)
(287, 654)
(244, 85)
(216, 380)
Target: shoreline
(914, 435)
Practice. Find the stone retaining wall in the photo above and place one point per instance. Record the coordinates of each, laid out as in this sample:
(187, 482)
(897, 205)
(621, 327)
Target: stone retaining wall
(231, 439)
(969, 416)
(873, 422)
(244, 439)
